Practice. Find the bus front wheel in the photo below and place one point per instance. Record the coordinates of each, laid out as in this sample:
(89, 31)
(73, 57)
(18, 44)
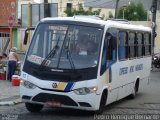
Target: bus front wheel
(31, 107)
(102, 103)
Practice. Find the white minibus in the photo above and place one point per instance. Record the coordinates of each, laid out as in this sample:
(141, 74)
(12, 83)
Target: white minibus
(84, 63)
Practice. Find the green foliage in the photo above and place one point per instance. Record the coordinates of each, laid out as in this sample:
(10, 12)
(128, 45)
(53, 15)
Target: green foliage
(133, 12)
(81, 11)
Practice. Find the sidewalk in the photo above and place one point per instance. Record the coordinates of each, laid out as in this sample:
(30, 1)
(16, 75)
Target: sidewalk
(9, 95)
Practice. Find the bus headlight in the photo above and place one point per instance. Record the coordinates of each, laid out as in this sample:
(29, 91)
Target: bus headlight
(85, 90)
(27, 84)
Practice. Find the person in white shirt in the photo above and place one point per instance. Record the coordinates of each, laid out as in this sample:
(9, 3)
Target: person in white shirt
(12, 62)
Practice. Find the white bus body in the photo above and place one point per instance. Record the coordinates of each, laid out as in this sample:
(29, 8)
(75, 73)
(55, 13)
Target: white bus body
(120, 65)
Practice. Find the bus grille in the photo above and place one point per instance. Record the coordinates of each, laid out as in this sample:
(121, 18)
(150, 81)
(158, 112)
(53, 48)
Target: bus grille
(45, 97)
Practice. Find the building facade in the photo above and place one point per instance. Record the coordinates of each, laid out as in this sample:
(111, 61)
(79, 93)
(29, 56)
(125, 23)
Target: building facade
(8, 25)
(63, 4)
(13, 8)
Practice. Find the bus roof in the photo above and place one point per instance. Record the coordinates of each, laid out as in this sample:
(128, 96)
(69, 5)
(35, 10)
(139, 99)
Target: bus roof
(121, 24)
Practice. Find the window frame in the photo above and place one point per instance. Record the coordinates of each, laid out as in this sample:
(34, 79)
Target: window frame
(132, 45)
(139, 45)
(125, 45)
(149, 44)
(136, 44)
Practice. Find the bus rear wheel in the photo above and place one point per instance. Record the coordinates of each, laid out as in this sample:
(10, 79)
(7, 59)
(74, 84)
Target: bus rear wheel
(31, 107)
(133, 95)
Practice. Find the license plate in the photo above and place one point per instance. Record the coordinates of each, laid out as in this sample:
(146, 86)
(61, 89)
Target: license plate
(53, 103)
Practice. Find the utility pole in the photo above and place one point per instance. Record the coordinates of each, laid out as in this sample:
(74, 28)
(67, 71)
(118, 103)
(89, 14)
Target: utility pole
(154, 11)
(116, 9)
(29, 20)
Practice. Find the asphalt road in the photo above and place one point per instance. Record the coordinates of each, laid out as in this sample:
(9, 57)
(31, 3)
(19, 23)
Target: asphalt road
(145, 106)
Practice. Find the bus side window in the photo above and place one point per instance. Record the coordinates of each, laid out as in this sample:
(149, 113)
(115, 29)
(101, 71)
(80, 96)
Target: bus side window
(108, 52)
(147, 44)
(139, 45)
(111, 44)
(127, 46)
(103, 61)
(122, 48)
(132, 45)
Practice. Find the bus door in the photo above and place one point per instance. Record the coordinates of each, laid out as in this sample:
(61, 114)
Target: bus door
(109, 57)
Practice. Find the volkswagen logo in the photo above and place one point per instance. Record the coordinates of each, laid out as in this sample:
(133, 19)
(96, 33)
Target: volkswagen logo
(54, 85)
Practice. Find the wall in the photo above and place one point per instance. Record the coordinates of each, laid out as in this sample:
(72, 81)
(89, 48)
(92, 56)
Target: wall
(8, 8)
(5, 36)
(63, 3)
(157, 40)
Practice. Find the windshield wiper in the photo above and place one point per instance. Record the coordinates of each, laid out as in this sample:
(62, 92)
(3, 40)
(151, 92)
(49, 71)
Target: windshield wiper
(50, 55)
(68, 52)
(69, 56)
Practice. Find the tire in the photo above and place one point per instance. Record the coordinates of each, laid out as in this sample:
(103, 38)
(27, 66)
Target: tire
(33, 107)
(102, 103)
(157, 66)
(133, 95)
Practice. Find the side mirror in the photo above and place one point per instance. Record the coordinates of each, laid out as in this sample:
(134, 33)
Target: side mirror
(26, 35)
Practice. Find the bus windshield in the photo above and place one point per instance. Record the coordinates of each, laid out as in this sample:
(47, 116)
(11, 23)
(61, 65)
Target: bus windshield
(65, 46)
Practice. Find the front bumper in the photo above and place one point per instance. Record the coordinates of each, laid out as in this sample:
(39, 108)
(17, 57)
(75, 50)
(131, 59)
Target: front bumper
(66, 99)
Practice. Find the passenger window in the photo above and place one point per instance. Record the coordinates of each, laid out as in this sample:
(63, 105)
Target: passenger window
(112, 44)
(132, 46)
(123, 46)
(139, 44)
(147, 44)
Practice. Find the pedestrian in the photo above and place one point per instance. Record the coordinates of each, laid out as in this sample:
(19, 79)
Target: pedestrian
(12, 62)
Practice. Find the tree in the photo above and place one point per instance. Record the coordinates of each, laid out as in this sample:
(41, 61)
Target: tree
(133, 12)
(81, 11)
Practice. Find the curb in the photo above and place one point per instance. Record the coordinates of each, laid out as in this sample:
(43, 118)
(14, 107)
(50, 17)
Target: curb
(9, 103)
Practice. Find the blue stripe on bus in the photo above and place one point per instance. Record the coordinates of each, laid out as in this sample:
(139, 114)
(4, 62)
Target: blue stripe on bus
(110, 75)
(69, 86)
